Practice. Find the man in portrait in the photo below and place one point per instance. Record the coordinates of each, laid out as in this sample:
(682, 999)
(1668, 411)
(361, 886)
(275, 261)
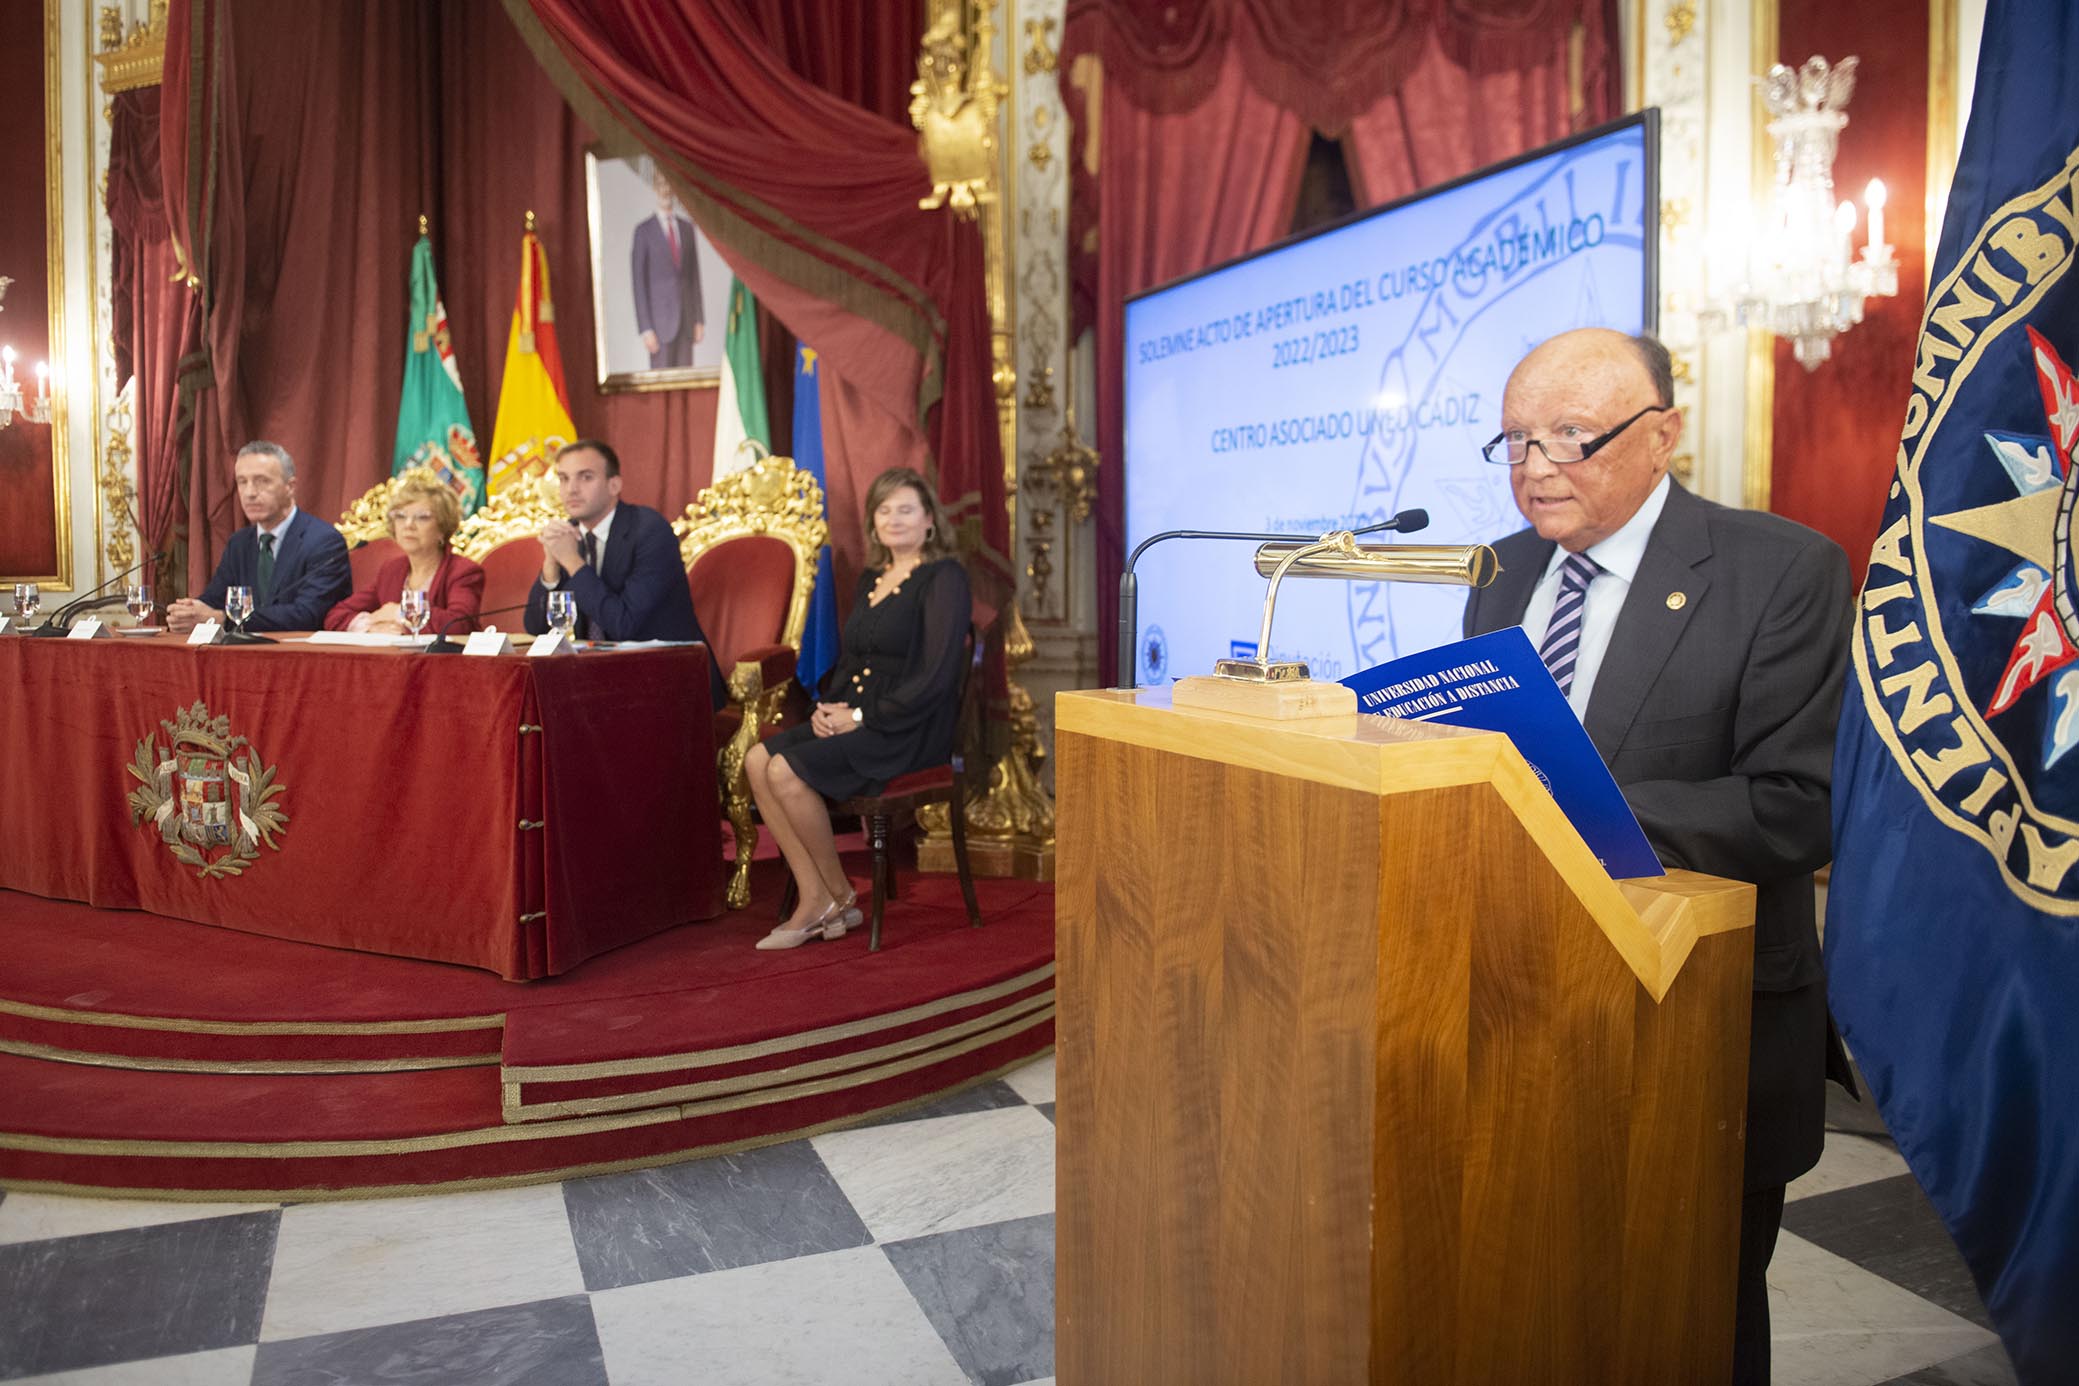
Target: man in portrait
(664, 273)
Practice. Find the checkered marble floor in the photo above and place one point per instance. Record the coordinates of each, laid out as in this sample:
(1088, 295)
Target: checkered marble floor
(915, 1252)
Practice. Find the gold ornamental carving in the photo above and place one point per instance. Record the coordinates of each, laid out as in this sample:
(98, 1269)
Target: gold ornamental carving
(956, 119)
(517, 512)
(133, 60)
(212, 806)
(118, 493)
(368, 518)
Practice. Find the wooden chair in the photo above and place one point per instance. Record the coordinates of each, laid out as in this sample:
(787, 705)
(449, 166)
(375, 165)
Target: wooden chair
(501, 537)
(750, 544)
(935, 784)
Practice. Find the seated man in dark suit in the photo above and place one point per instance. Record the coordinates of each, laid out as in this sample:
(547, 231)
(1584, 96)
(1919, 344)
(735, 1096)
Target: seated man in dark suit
(295, 563)
(1704, 651)
(620, 562)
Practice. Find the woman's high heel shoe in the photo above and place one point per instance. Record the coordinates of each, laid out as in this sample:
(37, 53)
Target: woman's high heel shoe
(837, 917)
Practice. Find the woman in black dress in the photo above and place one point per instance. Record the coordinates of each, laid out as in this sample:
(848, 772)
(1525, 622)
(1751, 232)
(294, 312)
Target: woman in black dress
(891, 704)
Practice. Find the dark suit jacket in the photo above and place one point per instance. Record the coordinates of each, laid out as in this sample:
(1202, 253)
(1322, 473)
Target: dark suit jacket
(640, 592)
(667, 296)
(310, 574)
(457, 589)
(1717, 719)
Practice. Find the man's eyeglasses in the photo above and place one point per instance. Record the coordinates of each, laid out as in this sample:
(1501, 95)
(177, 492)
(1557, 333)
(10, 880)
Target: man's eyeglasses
(1513, 449)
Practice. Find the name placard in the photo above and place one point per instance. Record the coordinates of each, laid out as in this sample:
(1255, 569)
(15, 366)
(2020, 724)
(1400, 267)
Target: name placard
(205, 633)
(87, 628)
(1496, 682)
(551, 644)
(489, 641)
(7, 626)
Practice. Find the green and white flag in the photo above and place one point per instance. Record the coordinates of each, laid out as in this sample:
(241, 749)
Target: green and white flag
(432, 417)
(740, 412)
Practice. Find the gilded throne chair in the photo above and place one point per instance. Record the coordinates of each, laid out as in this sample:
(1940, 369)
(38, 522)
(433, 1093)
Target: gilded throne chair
(502, 537)
(366, 528)
(750, 544)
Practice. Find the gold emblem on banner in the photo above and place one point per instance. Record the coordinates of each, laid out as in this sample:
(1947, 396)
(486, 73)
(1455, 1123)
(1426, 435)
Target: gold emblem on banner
(210, 804)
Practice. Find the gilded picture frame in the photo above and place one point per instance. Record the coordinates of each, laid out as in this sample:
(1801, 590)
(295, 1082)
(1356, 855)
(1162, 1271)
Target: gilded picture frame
(660, 293)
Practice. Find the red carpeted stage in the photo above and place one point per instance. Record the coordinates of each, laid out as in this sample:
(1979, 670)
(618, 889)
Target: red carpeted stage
(148, 1057)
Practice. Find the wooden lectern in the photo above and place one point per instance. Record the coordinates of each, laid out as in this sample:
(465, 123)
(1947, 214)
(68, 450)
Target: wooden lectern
(1369, 1073)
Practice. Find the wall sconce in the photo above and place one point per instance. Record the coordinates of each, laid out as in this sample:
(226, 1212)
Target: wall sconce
(1800, 277)
(36, 410)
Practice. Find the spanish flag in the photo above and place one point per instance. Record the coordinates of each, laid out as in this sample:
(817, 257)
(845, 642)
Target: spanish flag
(533, 405)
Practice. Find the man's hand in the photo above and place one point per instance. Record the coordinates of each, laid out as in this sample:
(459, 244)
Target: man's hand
(560, 554)
(186, 613)
(699, 331)
(649, 342)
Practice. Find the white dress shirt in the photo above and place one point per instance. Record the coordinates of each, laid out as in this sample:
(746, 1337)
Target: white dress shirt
(606, 522)
(281, 530)
(1619, 556)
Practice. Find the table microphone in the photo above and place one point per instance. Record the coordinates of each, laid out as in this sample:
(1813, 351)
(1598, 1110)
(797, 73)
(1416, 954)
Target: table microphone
(59, 621)
(442, 645)
(1406, 522)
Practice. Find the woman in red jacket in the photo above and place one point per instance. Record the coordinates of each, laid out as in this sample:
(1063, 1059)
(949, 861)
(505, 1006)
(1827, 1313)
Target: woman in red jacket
(423, 518)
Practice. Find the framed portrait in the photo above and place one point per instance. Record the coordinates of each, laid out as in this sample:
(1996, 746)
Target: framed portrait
(659, 290)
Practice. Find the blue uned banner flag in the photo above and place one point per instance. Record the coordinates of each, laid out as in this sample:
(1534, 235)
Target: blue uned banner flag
(1952, 940)
(819, 636)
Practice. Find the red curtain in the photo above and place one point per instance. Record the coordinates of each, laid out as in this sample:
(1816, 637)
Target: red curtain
(1448, 118)
(149, 315)
(813, 201)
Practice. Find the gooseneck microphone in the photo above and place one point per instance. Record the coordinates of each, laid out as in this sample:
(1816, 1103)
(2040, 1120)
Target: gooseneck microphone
(1406, 522)
(59, 621)
(442, 645)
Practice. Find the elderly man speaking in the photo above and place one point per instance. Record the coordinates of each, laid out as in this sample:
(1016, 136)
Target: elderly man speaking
(1703, 649)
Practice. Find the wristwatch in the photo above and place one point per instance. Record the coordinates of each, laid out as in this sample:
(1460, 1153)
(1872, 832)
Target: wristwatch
(859, 715)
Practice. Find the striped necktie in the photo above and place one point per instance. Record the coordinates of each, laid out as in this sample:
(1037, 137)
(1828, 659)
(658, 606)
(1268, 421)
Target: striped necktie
(1562, 644)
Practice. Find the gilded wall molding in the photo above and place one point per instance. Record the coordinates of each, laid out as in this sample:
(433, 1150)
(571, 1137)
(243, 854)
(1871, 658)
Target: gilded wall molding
(136, 59)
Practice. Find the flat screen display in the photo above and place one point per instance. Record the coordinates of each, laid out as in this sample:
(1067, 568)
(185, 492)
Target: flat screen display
(1335, 379)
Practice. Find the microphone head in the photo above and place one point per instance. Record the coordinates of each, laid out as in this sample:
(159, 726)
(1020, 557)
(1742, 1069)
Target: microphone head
(1408, 521)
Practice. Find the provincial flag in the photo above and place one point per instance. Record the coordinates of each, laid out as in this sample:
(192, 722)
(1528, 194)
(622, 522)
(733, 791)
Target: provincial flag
(1952, 939)
(533, 406)
(432, 416)
(819, 636)
(740, 415)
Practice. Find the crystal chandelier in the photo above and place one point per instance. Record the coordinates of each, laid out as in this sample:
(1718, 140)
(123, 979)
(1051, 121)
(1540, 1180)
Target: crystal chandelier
(36, 410)
(1801, 278)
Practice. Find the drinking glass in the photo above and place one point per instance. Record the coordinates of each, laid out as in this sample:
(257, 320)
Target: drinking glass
(411, 605)
(137, 598)
(27, 597)
(238, 604)
(563, 613)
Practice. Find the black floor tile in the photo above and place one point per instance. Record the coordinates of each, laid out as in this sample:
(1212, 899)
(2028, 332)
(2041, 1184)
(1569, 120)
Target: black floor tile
(87, 1301)
(989, 1291)
(1048, 1109)
(549, 1343)
(1890, 1229)
(1988, 1366)
(712, 1214)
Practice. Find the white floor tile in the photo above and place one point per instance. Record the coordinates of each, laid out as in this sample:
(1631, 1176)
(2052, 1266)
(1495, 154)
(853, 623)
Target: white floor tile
(1035, 1081)
(958, 1171)
(381, 1261)
(224, 1367)
(1846, 1162)
(840, 1319)
(1836, 1324)
(29, 1217)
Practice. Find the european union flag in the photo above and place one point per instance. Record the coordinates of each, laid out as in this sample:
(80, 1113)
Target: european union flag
(1952, 940)
(819, 636)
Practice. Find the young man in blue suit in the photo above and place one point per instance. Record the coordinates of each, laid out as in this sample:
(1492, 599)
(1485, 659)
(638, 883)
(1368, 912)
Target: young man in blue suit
(295, 563)
(619, 560)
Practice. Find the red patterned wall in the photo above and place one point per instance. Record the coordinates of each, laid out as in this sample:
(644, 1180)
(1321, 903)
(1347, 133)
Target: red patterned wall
(28, 531)
(1837, 428)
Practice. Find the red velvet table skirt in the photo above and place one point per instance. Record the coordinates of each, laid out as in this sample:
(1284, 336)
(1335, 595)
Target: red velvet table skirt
(514, 814)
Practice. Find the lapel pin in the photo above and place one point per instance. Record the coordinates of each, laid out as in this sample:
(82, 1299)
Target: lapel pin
(1677, 600)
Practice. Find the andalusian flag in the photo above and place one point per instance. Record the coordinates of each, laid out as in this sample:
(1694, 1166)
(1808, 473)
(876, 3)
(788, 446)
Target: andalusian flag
(740, 412)
(432, 417)
(533, 407)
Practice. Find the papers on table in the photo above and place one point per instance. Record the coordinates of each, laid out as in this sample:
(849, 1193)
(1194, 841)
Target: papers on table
(370, 639)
